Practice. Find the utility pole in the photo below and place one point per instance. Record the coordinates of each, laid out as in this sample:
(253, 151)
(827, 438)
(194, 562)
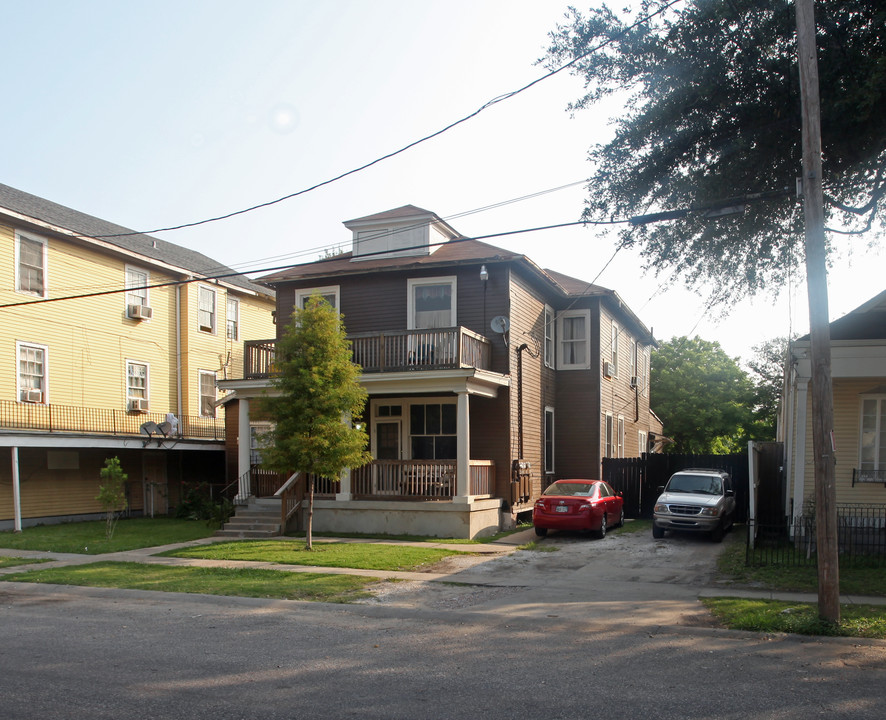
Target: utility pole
(820, 332)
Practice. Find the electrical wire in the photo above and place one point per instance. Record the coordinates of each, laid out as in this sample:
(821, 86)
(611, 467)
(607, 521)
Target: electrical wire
(488, 104)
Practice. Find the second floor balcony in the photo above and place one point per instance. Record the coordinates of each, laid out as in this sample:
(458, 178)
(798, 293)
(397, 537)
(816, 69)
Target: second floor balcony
(391, 351)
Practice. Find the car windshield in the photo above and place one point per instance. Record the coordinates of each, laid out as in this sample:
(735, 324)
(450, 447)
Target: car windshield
(576, 489)
(699, 484)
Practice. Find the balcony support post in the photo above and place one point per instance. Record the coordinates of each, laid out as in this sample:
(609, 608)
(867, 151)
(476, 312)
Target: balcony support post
(243, 450)
(463, 449)
(16, 492)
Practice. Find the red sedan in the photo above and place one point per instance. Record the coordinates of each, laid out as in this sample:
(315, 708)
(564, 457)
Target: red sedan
(578, 505)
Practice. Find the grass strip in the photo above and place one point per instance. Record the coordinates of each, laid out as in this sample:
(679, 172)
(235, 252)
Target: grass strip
(854, 579)
(88, 538)
(861, 621)
(6, 562)
(365, 556)
(420, 538)
(209, 581)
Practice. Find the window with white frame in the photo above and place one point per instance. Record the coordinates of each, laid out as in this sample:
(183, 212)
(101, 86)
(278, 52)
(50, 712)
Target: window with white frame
(643, 440)
(613, 357)
(30, 262)
(232, 320)
(33, 384)
(330, 294)
(635, 347)
(136, 287)
(574, 339)
(206, 309)
(549, 337)
(258, 437)
(136, 381)
(872, 443)
(431, 303)
(609, 446)
(207, 393)
(549, 440)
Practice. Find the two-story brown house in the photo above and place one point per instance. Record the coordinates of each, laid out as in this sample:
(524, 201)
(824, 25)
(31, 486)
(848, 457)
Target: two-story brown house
(488, 377)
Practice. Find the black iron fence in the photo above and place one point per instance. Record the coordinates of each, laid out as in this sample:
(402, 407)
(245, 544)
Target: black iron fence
(861, 538)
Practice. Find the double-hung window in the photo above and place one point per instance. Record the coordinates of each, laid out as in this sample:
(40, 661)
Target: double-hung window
(549, 440)
(574, 340)
(609, 448)
(431, 303)
(432, 431)
(33, 385)
(30, 262)
(613, 357)
(207, 393)
(206, 309)
(329, 294)
(872, 450)
(549, 336)
(136, 385)
(232, 322)
(136, 287)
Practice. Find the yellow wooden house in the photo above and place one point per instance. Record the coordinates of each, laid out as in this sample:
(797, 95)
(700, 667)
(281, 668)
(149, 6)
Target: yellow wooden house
(111, 344)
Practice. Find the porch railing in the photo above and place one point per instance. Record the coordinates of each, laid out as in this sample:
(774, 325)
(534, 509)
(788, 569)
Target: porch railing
(100, 421)
(392, 351)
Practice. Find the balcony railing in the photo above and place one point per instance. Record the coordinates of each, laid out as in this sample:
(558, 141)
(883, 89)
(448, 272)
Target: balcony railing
(100, 421)
(392, 351)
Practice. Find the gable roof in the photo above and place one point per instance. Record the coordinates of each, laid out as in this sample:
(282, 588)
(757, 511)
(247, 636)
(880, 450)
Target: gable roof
(32, 208)
(866, 322)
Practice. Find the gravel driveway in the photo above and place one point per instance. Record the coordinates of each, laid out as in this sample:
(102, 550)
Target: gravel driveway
(650, 580)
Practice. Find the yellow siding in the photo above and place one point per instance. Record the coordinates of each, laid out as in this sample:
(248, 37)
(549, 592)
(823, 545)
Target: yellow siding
(89, 340)
(847, 419)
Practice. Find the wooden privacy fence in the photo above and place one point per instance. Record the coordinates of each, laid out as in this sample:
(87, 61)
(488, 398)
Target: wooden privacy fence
(638, 479)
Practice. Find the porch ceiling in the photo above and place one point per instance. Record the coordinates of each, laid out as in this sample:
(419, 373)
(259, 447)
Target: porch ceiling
(483, 383)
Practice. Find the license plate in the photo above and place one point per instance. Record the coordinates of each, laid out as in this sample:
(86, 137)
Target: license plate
(562, 508)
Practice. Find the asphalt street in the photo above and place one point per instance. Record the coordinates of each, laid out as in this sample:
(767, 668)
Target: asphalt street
(609, 628)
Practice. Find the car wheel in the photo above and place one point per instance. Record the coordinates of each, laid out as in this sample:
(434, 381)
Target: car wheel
(621, 519)
(657, 532)
(717, 533)
(541, 532)
(601, 533)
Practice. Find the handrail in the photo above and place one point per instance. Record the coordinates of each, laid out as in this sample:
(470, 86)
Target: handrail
(289, 498)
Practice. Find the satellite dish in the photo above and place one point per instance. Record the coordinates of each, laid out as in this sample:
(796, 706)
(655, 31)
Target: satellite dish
(500, 324)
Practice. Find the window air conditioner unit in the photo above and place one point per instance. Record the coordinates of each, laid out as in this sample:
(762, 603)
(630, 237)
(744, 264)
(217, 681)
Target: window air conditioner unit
(138, 405)
(634, 381)
(141, 312)
(607, 369)
(32, 396)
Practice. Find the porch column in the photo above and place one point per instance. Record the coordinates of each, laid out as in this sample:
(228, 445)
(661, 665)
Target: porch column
(463, 449)
(345, 479)
(244, 489)
(16, 492)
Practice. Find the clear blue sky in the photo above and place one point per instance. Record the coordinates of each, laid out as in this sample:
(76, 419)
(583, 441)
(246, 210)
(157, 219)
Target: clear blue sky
(165, 112)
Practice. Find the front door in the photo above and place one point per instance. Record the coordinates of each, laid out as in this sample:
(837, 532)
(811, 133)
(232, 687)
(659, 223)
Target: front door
(155, 483)
(386, 440)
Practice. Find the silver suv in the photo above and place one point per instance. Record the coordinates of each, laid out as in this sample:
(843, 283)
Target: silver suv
(697, 500)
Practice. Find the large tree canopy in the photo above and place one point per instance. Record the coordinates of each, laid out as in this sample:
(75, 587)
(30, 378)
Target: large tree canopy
(713, 113)
(702, 396)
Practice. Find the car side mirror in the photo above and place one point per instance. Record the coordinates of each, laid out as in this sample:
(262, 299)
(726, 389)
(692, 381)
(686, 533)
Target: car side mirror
(730, 493)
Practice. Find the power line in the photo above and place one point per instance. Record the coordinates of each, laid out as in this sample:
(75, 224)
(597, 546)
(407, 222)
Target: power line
(488, 104)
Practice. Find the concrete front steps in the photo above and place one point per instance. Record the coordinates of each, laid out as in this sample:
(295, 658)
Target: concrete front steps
(260, 518)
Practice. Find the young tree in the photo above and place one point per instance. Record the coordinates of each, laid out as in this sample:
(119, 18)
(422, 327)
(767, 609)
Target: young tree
(112, 493)
(319, 394)
(767, 374)
(713, 119)
(702, 396)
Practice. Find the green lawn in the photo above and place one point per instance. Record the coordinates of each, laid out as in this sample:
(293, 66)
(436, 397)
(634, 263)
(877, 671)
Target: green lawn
(6, 562)
(210, 581)
(866, 621)
(89, 538)
(366, 556)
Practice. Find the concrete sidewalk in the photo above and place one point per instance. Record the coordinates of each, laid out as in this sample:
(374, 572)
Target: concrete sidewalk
(515, 577)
